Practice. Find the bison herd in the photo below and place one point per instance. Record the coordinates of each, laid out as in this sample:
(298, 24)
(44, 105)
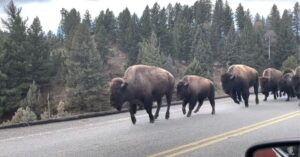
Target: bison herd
(141, 85)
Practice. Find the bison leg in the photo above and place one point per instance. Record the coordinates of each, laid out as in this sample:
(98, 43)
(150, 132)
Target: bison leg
(192, 104)
(212, 103)
(183, 106)
(288, 96)
(275, 94)
(169, 99)
(158, 108)
(200, 102)
(234, 96)
(256, 92)
(245, 95)
(239, 96)
(132, 110)
(266, 96)
(148, 107)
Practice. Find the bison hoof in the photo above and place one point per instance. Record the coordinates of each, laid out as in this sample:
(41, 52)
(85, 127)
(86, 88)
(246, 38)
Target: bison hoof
(133, 120)
(213, 112)
(156, 116)
(183, 111)
(167, 115)
(196, 111)
(151, 120)
(237, 102)
(189, 114)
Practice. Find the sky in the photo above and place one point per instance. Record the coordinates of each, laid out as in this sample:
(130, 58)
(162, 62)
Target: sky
(48, 11)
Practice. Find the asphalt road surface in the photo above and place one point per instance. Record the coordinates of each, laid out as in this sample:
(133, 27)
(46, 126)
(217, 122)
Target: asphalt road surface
(229, 133)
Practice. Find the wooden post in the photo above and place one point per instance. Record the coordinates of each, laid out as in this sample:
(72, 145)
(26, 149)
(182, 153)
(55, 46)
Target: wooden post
(49, 107)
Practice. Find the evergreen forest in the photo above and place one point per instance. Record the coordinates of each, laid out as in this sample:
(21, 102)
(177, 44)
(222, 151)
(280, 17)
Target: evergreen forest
(53, 74)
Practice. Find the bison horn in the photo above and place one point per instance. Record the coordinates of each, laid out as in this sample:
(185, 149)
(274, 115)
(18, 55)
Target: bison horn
(231, 77)
(186, 84)
(124, 85)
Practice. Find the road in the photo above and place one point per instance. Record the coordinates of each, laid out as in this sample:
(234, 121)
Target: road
(228, 133)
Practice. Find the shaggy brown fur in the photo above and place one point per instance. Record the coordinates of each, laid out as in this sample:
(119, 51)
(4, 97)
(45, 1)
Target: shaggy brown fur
(194, 88)
(142, 84)
(296, 82)
(286, 84)
(238, 79)
(269, 82)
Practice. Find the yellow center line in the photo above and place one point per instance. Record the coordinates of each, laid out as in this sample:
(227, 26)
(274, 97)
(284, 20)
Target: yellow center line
(218, 138)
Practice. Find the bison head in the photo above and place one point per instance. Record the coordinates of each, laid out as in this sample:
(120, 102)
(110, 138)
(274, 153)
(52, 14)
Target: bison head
(117, 92)
(228, 83)
(264, 83)
(182, 89)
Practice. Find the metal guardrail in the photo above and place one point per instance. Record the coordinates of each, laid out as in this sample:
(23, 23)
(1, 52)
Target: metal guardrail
(81, 116)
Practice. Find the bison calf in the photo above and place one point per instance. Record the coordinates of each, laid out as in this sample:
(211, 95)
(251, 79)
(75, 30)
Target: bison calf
(142, 84)
(195, 88)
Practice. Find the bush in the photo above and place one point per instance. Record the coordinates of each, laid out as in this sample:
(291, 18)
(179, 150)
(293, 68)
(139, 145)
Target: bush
(197, 68)
(45, 115)
(61, 109)
(290, 63)
(23, 116)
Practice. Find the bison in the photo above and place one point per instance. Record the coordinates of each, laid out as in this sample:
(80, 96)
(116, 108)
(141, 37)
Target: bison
(194, 88)
(296, 82)
(237, 80)
(285, 83)
(142, 84)
(269, 82)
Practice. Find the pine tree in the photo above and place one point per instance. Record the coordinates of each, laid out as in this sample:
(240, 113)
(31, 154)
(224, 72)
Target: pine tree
(41, 67)
(110, 25)
(274, 19)
(296, 20)
(163, 32)
(202, 54)
(240, 17)
(181, 39)
(129, 35)
(154, 18)
(216, 30)
(124, 19)
(230, 54)
(101, 42)
(202, 11)
(133, 40)
(286, 44)
(247, 42)
(145, 23)
(87, 20)
(84, 72)
(149, 52)
(14, 62)
(228, 18)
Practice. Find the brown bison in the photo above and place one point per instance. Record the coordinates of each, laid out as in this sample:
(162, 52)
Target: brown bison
(296, 82)
(269, 82)
(285, 83)
(142, 84)
(195, 88)
(237, 80)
